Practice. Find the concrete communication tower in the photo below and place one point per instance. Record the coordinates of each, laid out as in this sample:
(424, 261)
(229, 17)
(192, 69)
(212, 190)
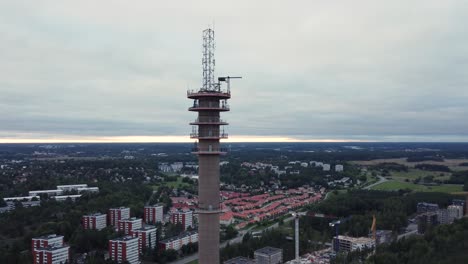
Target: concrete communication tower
(209, 101)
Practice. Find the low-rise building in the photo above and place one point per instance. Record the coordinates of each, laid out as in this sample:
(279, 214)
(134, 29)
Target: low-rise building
(268, 255)
(96, 221)
(62, 198)
(326, 167)
(124, 249)
(45, 192)
(177, 242)
(22, 198)
(71, 187)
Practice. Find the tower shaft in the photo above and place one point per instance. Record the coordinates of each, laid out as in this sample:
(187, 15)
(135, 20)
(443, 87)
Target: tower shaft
(209, 101)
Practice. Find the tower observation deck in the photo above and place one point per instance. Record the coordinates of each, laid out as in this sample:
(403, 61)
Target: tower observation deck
(209, 101)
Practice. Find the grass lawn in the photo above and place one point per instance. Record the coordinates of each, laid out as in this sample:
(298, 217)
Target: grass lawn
(193, 262)
(396, 185)
(176, 184)
(412, 174)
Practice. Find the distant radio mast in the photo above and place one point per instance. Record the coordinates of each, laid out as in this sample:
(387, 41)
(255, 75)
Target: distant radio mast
(209, 101)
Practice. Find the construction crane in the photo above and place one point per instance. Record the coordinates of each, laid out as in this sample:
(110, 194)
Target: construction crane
(374, 228)
(336, 224)
(296, 216)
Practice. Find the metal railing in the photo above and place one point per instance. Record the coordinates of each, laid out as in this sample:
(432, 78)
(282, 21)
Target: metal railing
(209, 150)
(216, 92)
(209, 120)
(210, 106)
(214, 135)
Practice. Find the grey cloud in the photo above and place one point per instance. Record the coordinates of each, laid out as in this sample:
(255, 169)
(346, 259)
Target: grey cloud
(315, 69)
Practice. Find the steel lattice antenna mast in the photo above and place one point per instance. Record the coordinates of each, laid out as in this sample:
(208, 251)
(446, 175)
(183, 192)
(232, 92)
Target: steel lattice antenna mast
(208, 60)
(209, 102)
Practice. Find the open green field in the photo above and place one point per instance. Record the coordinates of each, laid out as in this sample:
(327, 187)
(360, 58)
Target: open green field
(396, 185)
(453, 164)
(173, 184)
(412, 174)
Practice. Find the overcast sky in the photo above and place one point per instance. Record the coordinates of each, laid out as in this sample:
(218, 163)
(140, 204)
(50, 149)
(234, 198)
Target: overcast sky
(313, 70)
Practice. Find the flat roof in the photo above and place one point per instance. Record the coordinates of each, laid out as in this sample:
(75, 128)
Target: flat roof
(48, 236)
(268, 250)
(125, 238)
(72, 185)
(185, 234)
(43, 191)
(239, 260)
(52, 248)
(145, 228)
(95, 214)
(21, 197)
(66, 196)
(154, 205)
(361, 240)
(131, 219)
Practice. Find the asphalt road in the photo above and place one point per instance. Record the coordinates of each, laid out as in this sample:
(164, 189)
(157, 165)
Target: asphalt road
(381, 180)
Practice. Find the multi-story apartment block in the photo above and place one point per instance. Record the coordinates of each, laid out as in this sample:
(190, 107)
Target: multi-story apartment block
(94, 221)
(146, 236)
(51, 255)
(182, 216)
(46, 241)
(116, 214)
(348, 244)
(153, 214)
(124, 249)
(427, 207)
(455, 212)
(268, 255)
(339, 168)
(177, 242)
(426, 220)
(130, 224)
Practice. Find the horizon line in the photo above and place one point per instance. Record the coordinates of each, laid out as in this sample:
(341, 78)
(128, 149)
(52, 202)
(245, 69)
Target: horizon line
(185, 139)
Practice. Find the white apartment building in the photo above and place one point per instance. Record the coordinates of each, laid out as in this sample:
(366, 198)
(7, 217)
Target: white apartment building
(116, 214)
(348, 244)
(47, 192)
(153, 214)
(124, 249)
(128, 225)
(94, 221)
(46, 241)
(339, 168)
(183, 216)
(146, 236)
(455, 212)
(52, 255)
(177, 242)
